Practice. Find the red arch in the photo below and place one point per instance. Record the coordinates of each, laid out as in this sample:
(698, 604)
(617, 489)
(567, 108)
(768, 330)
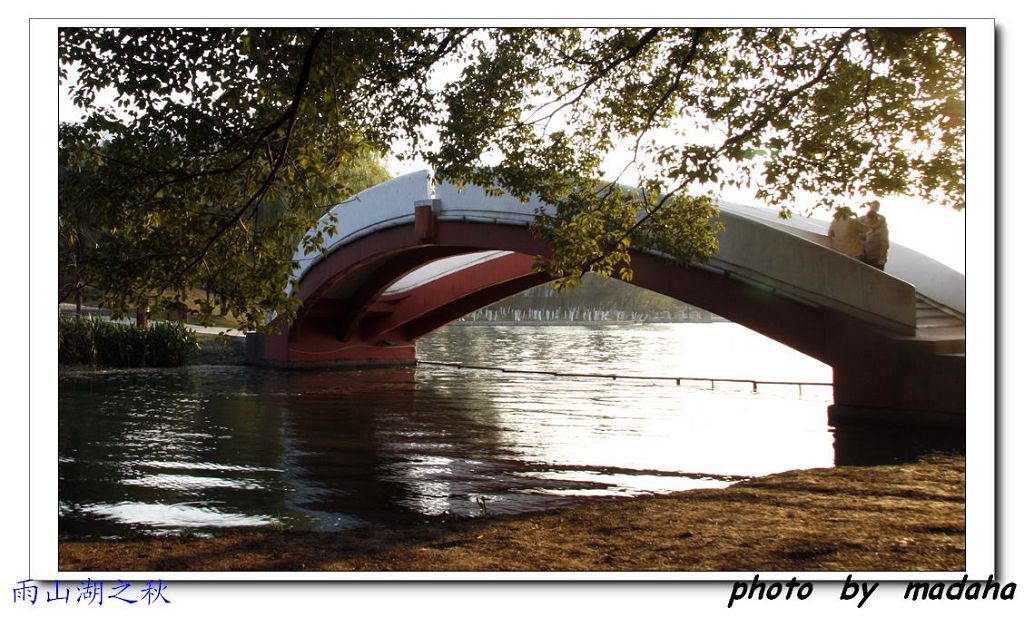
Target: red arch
(344, 308)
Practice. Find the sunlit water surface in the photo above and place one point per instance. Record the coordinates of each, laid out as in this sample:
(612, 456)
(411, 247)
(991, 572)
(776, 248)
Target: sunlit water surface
(213, 448)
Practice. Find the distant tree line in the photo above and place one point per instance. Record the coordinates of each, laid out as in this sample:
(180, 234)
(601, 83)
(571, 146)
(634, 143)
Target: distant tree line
(595, 299)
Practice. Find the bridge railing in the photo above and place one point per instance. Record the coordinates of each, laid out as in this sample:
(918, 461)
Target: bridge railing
(932, 278)
(800, 267)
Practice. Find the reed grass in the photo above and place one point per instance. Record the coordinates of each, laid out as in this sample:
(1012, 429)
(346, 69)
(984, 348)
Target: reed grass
(103, 343)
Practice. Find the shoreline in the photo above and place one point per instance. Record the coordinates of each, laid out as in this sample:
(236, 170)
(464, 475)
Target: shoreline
(579, 322)
(908, 517)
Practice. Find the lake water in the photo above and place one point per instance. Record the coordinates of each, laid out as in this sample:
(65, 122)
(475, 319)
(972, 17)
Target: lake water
(208, 448)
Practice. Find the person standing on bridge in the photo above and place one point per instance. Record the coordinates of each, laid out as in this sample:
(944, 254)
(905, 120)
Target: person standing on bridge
(846, 233)
(876, 238)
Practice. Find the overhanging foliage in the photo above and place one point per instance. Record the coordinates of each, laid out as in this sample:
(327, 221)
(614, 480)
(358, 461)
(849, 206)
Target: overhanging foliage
(210, 127)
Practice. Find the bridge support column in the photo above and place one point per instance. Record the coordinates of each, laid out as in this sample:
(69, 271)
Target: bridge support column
(320, 350)
(897, 407)
(902, 389)
(425, 221)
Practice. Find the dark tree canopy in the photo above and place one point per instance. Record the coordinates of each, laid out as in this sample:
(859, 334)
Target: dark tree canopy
(223, 145)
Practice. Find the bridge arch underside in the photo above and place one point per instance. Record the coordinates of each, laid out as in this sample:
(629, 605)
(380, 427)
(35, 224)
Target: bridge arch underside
(348, 319)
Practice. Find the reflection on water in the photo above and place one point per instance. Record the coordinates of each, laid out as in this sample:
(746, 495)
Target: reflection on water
(872, 444)
(173, 516)
(212, 448)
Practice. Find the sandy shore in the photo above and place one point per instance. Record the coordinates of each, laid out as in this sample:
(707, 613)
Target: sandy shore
(887, 518)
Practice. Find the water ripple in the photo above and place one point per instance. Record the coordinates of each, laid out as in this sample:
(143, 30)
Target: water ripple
(139, 514)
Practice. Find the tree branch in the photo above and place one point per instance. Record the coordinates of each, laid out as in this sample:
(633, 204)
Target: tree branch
(290, 115)
(631, 52)
(769, 113)
(759, 124)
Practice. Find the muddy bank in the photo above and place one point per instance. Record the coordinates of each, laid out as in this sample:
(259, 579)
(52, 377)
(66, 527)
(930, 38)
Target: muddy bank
(887, 518)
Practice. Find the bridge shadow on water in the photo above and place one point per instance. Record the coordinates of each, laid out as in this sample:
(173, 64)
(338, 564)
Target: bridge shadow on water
(862, 444)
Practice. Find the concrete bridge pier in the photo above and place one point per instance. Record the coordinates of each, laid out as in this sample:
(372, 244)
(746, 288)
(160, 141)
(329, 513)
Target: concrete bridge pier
(908, 388)
(323, 349)
(897, 406)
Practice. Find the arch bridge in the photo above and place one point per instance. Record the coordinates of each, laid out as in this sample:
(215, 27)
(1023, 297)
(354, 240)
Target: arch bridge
(408, 257)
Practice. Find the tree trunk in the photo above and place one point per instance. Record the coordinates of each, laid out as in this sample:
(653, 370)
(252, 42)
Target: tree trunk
(78, 280)
(142, 315)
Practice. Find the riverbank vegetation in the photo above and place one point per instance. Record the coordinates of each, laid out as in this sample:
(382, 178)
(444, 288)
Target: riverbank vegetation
(100, 342)
(908, 517)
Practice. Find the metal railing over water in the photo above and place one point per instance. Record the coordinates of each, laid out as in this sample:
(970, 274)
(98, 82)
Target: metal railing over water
(614, 376)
